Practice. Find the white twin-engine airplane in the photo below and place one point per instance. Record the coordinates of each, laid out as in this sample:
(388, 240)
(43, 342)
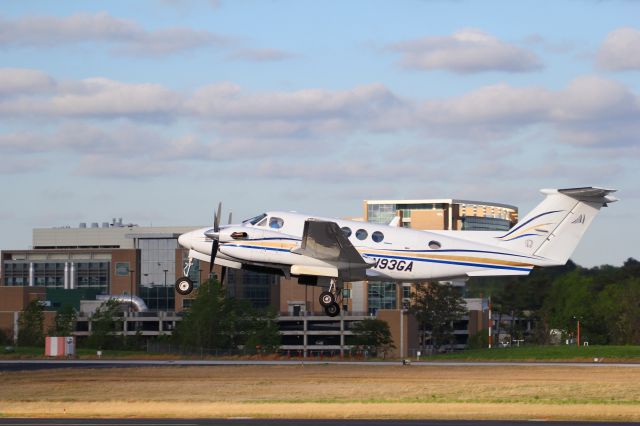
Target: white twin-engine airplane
(329, 252)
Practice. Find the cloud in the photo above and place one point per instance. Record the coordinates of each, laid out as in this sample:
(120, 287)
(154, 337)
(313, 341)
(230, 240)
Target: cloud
(619, 51)
(18, 80)
(98, 119)
(124, 36)
(296, 114)
(92, 97)
(466, 51)
(590, 111)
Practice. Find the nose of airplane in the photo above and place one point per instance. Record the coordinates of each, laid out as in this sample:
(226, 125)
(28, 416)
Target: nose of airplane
(183, 240)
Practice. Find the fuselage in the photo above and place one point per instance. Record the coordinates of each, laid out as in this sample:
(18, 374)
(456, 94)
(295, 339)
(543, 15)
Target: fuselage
(393, 253)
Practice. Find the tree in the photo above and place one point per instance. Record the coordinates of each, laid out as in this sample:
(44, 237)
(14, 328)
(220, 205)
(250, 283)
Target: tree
(105, 326)
(30, 325)
(436, 307)
(262, 331)
(64, 322)
(216, 321)
(373, 335)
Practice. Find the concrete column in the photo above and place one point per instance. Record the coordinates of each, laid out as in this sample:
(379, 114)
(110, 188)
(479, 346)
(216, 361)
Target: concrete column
(72, 276)
(31, 274)
(304, 337)
(16, 317)
(66, 275)
(341, 337)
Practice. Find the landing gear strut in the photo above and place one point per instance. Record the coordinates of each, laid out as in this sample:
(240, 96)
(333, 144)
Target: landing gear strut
(184, 285)
(329, 299)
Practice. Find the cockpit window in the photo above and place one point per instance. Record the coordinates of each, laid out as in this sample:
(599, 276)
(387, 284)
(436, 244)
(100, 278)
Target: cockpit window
(263, 222)
(256, 219)
(276, 223)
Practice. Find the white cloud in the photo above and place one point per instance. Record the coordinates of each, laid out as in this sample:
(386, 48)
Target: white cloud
(95, 97)
(19, 80)
(589, 111)
(466, 51)
(123, 35)
(620, 50)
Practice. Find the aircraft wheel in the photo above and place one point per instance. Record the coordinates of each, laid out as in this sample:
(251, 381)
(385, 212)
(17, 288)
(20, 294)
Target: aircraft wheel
(184, 286)
(333, 310)
(326, 299)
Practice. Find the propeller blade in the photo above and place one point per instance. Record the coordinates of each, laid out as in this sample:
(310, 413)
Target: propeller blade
(216, 218)
(214, 251)
(223, 274)
(230, 217)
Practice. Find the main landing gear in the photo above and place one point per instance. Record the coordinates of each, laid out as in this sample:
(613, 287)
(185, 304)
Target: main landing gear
(184, 285)
(329, 299)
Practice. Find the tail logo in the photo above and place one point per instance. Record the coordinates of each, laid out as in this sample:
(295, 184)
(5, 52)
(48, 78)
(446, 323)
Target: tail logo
(579, 219)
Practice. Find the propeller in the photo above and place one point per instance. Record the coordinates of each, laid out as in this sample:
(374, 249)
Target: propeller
(216, 229)
(223, 274)
(230, 217)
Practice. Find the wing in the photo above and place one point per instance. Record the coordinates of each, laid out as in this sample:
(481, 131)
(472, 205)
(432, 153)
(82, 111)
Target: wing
(325, 241)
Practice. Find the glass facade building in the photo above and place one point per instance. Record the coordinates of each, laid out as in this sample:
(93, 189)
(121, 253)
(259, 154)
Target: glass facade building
(382, 295)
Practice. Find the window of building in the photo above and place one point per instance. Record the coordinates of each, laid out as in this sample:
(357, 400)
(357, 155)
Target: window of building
(346, 231)
(361, 234)
(381, 295)
(276, 223)
(406, 291)
(377, 236)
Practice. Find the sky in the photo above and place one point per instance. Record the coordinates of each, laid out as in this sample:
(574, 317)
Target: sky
(155, 111)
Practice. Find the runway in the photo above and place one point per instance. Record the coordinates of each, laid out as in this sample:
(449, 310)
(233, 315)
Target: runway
(287, 422)
(22, 365)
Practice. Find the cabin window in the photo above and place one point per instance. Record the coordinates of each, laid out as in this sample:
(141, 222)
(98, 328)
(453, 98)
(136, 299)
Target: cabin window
(346, 231)
(361, 234)
(276, 223)
(434, 245)
(377, 236)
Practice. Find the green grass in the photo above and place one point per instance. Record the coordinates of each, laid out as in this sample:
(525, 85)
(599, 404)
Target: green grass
(545, 353)
(27, 352)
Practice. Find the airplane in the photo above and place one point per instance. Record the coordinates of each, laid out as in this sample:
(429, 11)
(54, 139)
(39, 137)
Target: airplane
(328, 252)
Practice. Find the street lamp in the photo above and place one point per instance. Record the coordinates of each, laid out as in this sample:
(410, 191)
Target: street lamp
(131, 271)
(166, 294)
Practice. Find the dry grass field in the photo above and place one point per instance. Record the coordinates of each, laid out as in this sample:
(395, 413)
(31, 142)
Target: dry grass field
(327, 391)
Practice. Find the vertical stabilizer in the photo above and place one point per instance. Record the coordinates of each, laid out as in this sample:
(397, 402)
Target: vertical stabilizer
(553, 229)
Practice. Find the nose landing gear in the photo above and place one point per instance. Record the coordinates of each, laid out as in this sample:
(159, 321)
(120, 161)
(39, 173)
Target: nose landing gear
(184, 285)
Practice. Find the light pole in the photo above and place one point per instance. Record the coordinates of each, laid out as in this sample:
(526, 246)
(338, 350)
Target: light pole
(166, 294)
(577, 330)
(131, 272)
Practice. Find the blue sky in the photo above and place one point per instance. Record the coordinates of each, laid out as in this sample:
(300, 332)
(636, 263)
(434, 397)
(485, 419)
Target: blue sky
(156, 110)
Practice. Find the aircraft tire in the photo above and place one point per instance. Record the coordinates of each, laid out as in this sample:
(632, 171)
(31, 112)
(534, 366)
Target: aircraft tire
(326, 299)
(333, 310)
(184, 286)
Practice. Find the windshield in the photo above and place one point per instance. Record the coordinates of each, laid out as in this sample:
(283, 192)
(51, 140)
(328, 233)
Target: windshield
(256, 219)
